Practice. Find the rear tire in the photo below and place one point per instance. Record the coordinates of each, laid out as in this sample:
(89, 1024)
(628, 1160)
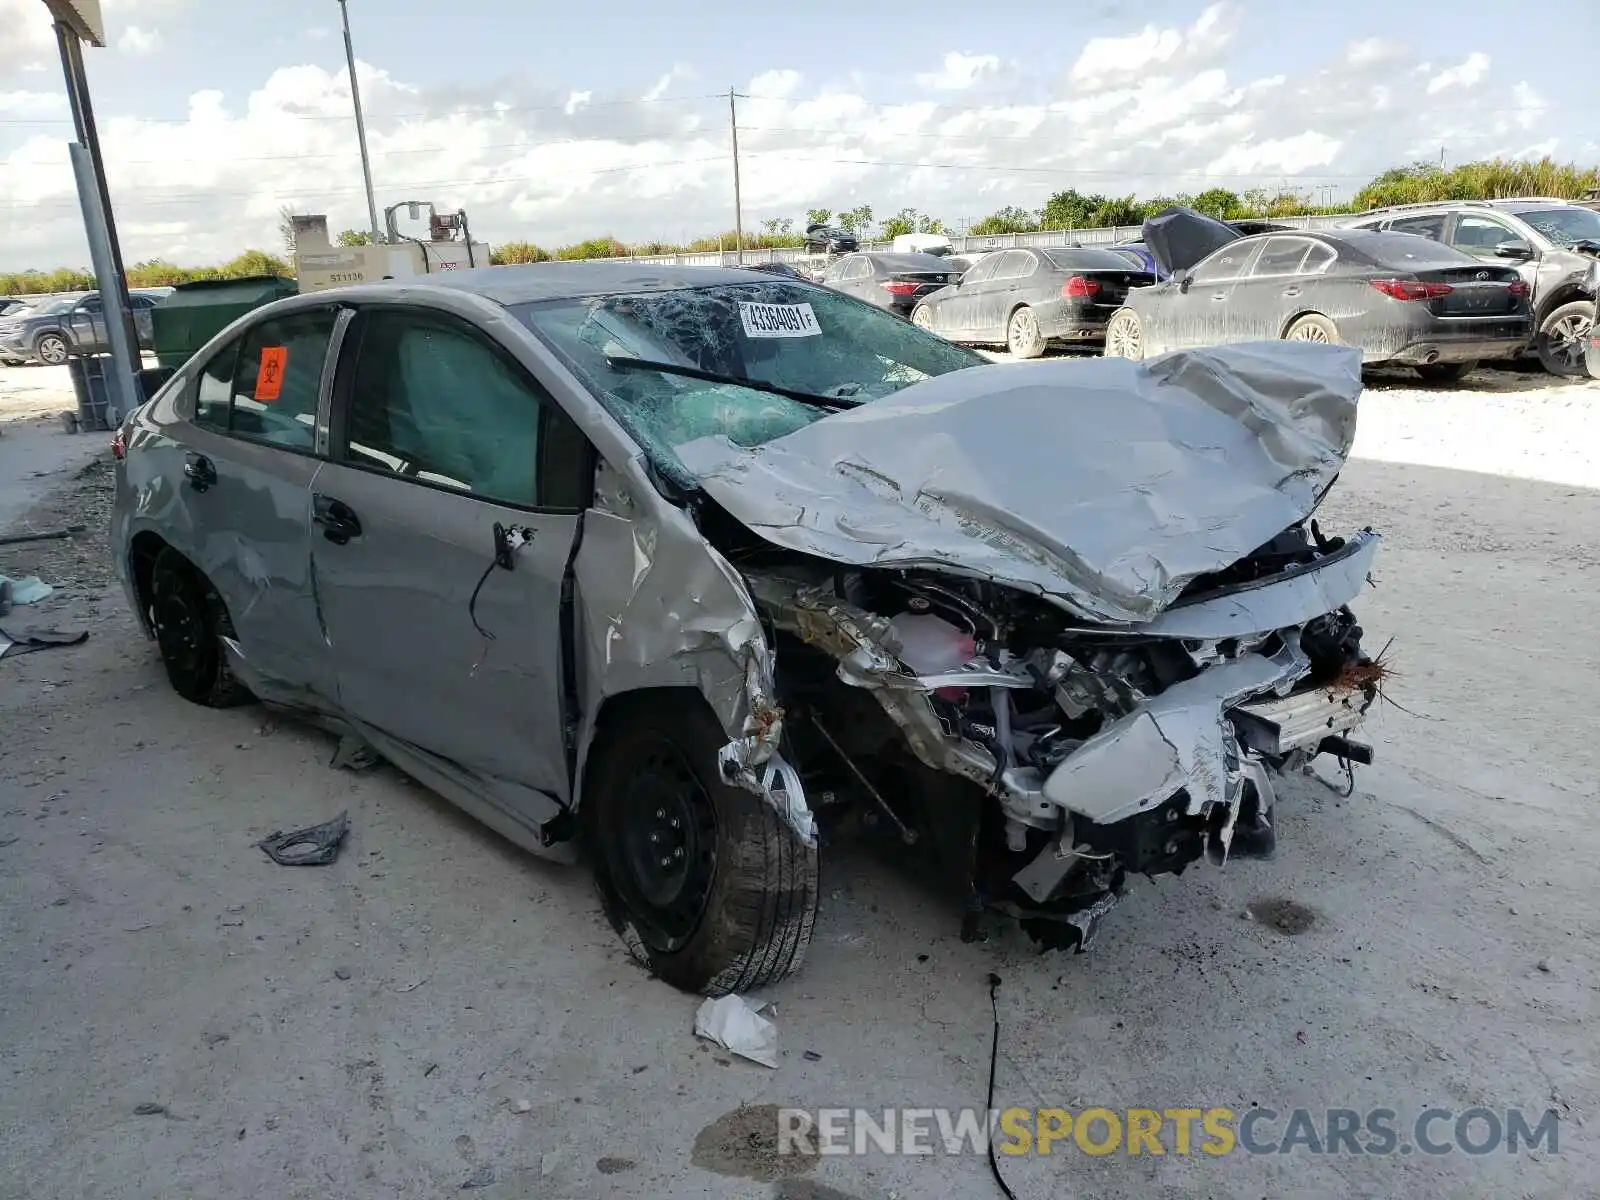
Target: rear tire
(922, 318)
(51, 349)
(1314, 327)
(190, 622)
(1563, 338)
(728, 905)
(1447, 372)
(1023, 338)
(1124, 336)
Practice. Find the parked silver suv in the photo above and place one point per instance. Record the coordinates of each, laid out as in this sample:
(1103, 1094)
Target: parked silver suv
(1555, 244)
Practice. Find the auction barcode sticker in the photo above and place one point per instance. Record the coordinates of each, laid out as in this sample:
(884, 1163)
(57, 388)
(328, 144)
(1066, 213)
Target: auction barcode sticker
(778, 320)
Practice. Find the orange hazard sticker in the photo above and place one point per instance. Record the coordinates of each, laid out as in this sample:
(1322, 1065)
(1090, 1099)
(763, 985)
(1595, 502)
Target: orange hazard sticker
(269, 379)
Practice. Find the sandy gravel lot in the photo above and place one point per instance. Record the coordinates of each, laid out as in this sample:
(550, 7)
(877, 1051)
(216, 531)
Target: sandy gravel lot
(438, 1010)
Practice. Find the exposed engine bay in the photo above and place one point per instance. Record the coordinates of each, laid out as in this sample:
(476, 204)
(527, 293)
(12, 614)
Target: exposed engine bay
(1037, 760)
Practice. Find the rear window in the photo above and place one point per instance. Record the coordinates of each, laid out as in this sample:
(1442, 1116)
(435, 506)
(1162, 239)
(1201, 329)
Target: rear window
(1074, 259)
(910, 262)
(1407, 250)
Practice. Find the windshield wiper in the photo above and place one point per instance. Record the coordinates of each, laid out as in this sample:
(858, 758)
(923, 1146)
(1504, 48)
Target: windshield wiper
(628, 363)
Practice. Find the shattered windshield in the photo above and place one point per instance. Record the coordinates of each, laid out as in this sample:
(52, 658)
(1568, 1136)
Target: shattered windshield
(803, 339)
(1566, 226)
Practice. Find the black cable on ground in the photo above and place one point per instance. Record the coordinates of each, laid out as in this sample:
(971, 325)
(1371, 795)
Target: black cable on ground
(994, 1058)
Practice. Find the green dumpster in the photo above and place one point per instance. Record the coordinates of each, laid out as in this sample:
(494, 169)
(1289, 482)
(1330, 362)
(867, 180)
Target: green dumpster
(195, 312)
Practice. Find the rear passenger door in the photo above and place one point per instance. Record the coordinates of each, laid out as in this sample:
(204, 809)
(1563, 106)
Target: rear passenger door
(248, 465)
(1274, 291)
(437, 436)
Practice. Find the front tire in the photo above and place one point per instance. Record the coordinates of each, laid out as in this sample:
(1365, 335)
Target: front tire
(708, 886)
(51, 349)
(1023, 338)
(190, 622)
(1124, 336)
(1563, 338)
(922, 318)
(1313, 327)
(1447, 372)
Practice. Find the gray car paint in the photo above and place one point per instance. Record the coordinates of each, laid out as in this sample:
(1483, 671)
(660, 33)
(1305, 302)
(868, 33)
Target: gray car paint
(1199, 458)
(659, 608)
(977, 308)
(1133, 479)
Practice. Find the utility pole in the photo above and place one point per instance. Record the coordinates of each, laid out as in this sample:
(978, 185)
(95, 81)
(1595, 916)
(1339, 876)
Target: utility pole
(77, 22)
(738, 203)
(361, 125)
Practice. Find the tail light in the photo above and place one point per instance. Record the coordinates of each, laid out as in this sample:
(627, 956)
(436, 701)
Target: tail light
(119, 447)
(1518, 288)
(900, 287)
(1079, 286)
(1411, 289)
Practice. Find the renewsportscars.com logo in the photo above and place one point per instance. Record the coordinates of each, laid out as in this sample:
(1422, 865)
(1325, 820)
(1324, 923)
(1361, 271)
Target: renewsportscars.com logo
(1178, 1131)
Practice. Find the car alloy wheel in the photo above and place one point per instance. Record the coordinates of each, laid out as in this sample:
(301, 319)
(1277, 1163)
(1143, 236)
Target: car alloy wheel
(1313, 328)
(52, 350)
(1125, 336)
(922, 318)
(1022, 334)
(1563, 340)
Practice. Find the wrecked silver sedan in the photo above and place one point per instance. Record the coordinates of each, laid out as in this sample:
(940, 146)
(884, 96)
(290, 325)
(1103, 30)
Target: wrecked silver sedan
(699, 568)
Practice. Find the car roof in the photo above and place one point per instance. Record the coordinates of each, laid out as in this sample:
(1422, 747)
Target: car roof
(566, 280)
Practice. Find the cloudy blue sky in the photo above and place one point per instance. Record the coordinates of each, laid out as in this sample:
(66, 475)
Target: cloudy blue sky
(551, 123)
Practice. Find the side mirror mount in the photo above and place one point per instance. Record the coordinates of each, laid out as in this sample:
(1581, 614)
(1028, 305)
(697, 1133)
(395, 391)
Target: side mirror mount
(1516, 248)
(1184, 282)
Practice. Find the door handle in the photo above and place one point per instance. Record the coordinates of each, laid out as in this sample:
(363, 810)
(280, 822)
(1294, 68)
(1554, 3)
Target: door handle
(1291, 291)
(338, 519)
(199, 471)
(1219, 295)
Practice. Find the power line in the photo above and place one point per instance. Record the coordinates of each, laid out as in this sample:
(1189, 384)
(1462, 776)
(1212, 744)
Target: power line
(569, 107)
(209, 197)
(1112, 173)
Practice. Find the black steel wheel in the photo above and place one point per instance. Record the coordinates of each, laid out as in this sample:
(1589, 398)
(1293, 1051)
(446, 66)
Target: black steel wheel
(707, 884)
(189, 621)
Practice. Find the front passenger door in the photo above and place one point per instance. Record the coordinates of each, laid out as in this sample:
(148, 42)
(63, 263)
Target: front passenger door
(437, 436)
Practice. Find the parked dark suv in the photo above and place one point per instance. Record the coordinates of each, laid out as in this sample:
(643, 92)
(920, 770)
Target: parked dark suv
(76, 323)
(830, 239)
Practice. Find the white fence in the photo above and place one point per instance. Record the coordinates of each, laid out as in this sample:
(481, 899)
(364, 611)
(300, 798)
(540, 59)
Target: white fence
(1106, 236)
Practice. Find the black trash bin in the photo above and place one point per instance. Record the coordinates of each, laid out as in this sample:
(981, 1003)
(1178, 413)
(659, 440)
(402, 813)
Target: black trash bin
(92, 388)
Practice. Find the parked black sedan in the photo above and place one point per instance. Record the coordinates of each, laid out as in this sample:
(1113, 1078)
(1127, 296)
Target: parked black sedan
(893, 281)
(830, 239)
(1026, 300)
(1400, 298)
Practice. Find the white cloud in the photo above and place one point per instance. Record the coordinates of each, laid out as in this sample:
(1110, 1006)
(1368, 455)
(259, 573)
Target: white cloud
(1464, 74)
(577, 158)
(1154, 50)
(137, 40)
(26, 41)
(959, 71)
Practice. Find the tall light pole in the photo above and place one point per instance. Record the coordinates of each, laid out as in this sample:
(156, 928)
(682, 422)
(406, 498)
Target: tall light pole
(361, 125)
(76, 22)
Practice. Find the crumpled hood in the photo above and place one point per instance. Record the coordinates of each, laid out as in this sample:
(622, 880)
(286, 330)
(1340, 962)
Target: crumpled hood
(1179, 237)
(1104, 483)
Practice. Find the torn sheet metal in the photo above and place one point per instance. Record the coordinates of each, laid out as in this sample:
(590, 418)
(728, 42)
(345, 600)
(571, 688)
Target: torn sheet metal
(1131, 480)
(314, 846)
(1181, 739)
(658, 607)
(1275, 603)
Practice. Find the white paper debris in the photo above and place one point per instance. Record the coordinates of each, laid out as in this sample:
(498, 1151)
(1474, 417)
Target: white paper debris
(735, 1026)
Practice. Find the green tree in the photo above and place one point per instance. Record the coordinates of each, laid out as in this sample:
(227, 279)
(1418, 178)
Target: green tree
(354, 237)
(1009, 219)
(1122, 210)
(779, 227)
(818, 216)
(907, 220)
(1217, 202)
(252, 263)
(286, 216)
(927, 224)
(1070, 209)
(518, 252)
(857, 220)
